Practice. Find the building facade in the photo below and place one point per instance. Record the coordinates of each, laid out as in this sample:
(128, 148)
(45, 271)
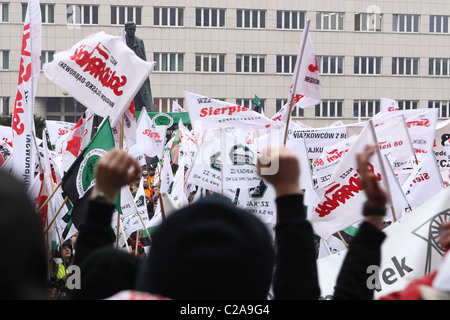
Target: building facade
(236, 50)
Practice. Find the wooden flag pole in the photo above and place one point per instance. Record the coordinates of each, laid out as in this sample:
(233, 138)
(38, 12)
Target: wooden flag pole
(51, 196)
(342, 239)
(137, 242)
(123, 233)
(56, 214)
(121, 148)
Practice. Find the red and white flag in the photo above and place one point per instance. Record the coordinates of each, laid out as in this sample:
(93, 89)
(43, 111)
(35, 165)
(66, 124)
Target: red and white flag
(176, 107)
(77, 140)
(306, 88)
(388, 105)
(22, 120)
(341, 204)
(57, 130)
(207, 113)
(101, 72)
(424, 182)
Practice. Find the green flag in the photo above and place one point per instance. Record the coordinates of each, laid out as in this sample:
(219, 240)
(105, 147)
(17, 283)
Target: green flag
(80, 178)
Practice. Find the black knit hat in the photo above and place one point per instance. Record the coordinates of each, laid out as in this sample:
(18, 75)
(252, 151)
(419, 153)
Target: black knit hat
(209, 250)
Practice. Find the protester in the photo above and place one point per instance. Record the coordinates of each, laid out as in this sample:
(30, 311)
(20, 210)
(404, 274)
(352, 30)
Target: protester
(24, 266)
(104, 269)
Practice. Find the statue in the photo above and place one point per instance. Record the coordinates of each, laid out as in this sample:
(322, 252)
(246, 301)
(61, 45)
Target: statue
(144, 96)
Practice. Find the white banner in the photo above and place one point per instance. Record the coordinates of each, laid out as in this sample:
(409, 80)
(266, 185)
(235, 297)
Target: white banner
(22, 123)
(207, 113)
(343, 198)
(442, 135)
(388, 105)
(101, 72)
(409, 251)
(57, 130)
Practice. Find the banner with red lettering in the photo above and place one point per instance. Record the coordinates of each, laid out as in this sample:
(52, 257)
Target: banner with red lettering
(207, 113)
(150, 139)
(101, 72)
(343, 198)
(306, 88)
(57, 129)
(421, 125)
(424, 182)
(22, 123)
(388, 105)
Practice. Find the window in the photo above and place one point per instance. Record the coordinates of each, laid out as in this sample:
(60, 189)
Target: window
(329, 109)
(164, 104)
(286, 64)
(46, 56)
(4, 105)
(291, 20)
(169, 62)
(366, 108)
(296, 112)
(368, 22)
(47, 12)
(205, 62)
(54, 105)
(248, 103)
(4, 12)
(443, 106)
(367, 65)
(329, 21)
(209, 17)
(407, 104)
(330, 64)
(439, 24)
(405, 23)
(4, 59)
(173, 17)
(123, 14)
(405, 66)
(251, 19)
(82, 14)
(250, 63)
(438, 67)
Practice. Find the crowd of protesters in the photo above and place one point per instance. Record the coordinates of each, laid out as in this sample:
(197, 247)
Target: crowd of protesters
(209, 249)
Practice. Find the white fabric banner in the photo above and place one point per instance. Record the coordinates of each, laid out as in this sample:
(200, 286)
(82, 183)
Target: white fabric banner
(22, 123)
(442, 136)
(343, 199)
(388, 105)
(101, 72)
(424, 182)
(409, 251)
(207, 113)
(57, 130)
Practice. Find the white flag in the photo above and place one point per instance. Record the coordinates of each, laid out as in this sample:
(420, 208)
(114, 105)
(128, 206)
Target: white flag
(22, 123)
(439, 149)
(57, 129)
(421, 125)
(388, 105)
(129, 128)
(149, 138)
(176, 107)
(166, 175)
(207, 113)
(306, 88)
(424, 182)
(101, 72)
(342, 203)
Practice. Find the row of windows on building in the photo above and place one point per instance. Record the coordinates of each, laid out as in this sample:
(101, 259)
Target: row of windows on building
(68, 109)
(285, 64)
(245, 18)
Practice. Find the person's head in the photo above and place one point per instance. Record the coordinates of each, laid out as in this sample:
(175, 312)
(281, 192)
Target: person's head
(130, 28)
(30, 265)
(66, 251)
(209, 250)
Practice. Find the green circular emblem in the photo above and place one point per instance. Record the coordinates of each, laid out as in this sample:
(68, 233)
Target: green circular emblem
(163, 120)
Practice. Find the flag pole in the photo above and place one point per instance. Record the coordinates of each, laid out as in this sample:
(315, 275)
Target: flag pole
(121, 148)
(49, 198)
(298, 65)
(56, 214)
(380, 158)
(410, 141)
